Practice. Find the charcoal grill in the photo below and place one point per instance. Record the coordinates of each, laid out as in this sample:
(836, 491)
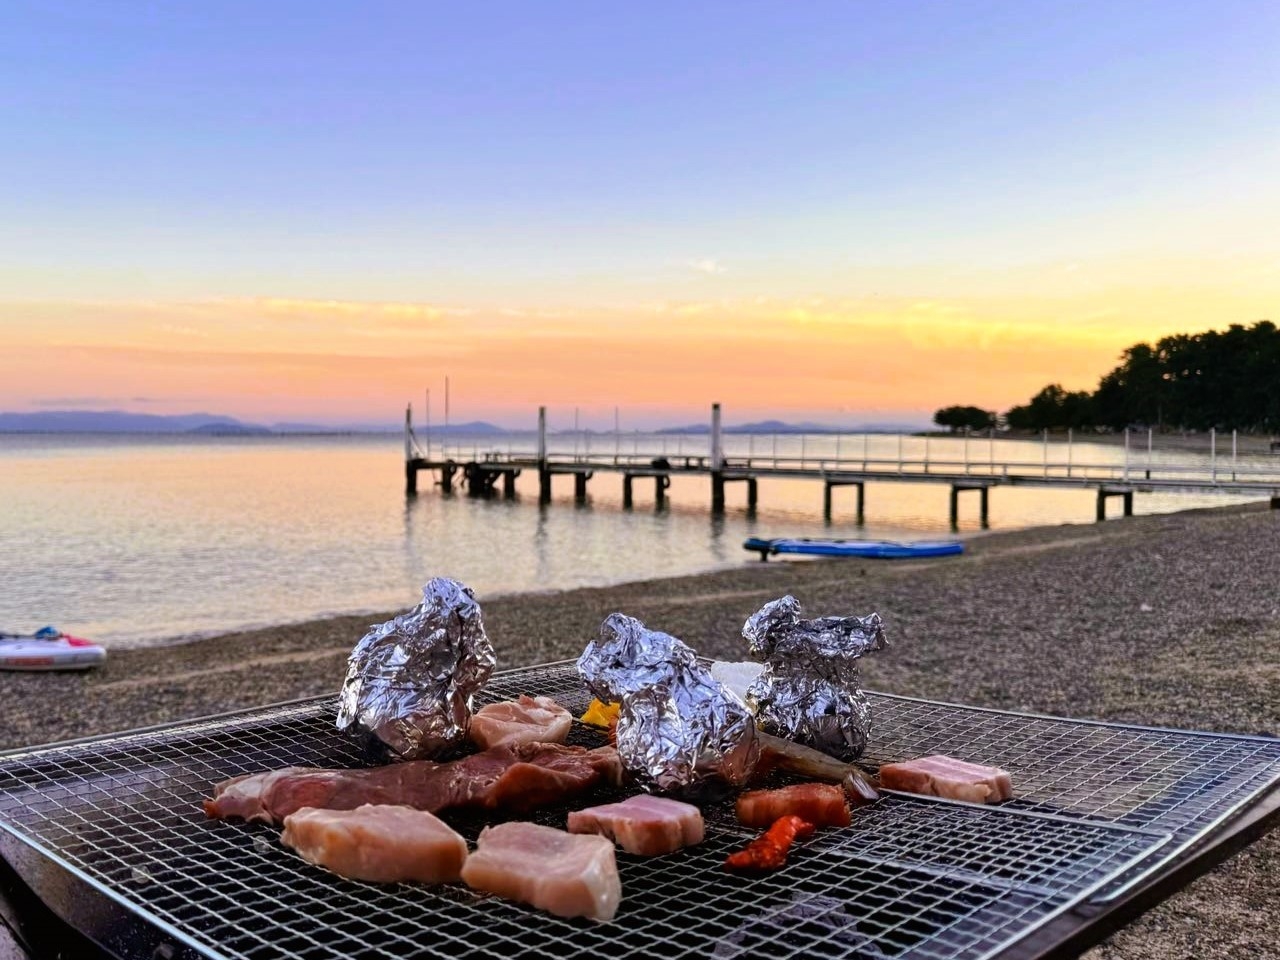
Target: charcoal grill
(108, 835)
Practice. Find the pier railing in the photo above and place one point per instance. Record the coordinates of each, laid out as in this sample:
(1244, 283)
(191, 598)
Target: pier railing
(1115, 466)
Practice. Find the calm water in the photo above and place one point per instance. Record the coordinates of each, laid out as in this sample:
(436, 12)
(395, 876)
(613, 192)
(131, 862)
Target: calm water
(139, 540)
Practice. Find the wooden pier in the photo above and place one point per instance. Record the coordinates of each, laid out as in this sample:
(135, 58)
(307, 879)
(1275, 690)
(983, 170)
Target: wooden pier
(484, 472)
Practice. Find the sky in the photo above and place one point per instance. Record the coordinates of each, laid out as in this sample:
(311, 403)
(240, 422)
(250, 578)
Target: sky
(851, 212)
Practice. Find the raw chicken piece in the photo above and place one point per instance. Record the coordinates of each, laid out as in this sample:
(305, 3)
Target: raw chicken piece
(379, 843)
(940, 776)
(515, 778)
(527, 720)
(643, 825)
(822, 804)
(570, 875)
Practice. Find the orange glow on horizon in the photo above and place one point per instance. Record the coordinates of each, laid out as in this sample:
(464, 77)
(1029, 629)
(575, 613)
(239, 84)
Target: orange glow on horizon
(279, 358)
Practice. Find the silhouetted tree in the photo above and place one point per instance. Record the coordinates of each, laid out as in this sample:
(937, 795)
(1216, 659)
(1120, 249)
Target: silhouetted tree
(960, 418)
(1228, 379)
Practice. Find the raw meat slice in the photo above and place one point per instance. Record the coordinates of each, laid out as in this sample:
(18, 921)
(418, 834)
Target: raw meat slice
(527, 720)
(822, 804)
(941, 776)
(515, 778)
(643, 825)
(378, 843)
(570, 875)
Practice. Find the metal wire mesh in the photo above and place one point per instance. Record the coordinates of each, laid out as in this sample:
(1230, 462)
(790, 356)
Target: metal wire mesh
(910, 878)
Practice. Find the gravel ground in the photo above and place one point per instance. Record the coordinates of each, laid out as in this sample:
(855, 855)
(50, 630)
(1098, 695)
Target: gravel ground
(1168, 620)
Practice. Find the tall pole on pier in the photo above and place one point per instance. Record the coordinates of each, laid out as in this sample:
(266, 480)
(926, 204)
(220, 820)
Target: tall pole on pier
(428, 416)
(717, 462)
(410, 467)
(544, 475)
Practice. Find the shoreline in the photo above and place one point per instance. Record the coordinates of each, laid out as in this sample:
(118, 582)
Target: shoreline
(1161, 620)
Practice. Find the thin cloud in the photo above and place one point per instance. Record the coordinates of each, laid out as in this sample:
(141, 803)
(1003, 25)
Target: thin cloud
(707, 265)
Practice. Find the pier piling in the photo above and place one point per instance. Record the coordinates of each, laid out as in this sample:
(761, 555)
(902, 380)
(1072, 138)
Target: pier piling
(1105, 493)
(829, 485)
(983, 490)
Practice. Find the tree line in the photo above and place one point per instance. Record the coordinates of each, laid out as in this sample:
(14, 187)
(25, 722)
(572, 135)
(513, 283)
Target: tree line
(1228, 379)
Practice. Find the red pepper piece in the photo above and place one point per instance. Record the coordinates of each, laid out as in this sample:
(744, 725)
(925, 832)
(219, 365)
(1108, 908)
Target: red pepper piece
(769, 850)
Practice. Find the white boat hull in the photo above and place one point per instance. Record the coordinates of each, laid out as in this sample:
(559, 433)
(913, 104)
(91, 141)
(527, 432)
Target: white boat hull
(56, 654)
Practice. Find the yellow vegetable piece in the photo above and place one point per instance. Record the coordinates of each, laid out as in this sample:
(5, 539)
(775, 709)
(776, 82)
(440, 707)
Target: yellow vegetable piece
(601, 714)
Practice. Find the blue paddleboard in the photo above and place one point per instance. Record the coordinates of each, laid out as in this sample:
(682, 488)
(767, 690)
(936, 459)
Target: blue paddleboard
(873, 549)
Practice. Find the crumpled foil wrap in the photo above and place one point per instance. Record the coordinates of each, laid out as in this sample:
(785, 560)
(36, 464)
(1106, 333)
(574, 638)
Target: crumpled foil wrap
(410, 680)
(679, 730)
(809, 690)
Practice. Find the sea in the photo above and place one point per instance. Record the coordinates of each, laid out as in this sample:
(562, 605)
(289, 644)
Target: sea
(144, 540)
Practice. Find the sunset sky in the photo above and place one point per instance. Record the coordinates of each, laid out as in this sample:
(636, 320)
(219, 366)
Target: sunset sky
(848, 212)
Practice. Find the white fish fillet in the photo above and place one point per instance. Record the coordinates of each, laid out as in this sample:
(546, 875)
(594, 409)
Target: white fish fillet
(527, 720)
(377, 842)
(643, 825)
(570, 875)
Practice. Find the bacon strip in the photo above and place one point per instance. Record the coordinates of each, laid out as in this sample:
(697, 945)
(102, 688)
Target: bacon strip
(942, 776)
(511, 777)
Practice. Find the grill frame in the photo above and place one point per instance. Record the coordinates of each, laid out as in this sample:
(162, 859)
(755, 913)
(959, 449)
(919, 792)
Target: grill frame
(1143, 853)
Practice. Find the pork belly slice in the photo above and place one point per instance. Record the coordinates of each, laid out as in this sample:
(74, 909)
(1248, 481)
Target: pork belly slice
(822, 804)
(941, 776)
(570, 875)
(527, 720)
(643, 825)
(511, 777)
(377, 842)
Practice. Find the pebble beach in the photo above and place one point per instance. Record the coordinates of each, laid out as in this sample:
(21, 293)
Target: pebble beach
(1170, 620)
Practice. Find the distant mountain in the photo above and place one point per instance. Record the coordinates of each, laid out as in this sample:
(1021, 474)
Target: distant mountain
(230, 430)
(470, 429)
(117, 421)
(763, 426)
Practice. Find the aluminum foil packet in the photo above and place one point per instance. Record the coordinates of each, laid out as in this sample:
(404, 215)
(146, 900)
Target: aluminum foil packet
(809, 690)
(679, 730)
(410, 681)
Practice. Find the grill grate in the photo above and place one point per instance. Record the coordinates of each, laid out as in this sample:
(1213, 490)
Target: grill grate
(911, 877)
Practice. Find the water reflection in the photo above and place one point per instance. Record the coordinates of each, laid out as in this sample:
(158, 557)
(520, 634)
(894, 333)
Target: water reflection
(136, 540)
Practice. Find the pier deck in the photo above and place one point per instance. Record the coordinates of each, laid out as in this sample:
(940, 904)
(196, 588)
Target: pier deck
(482, 470)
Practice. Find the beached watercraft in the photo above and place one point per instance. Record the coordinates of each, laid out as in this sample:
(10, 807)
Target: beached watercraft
(48, 649)
(871, 549)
